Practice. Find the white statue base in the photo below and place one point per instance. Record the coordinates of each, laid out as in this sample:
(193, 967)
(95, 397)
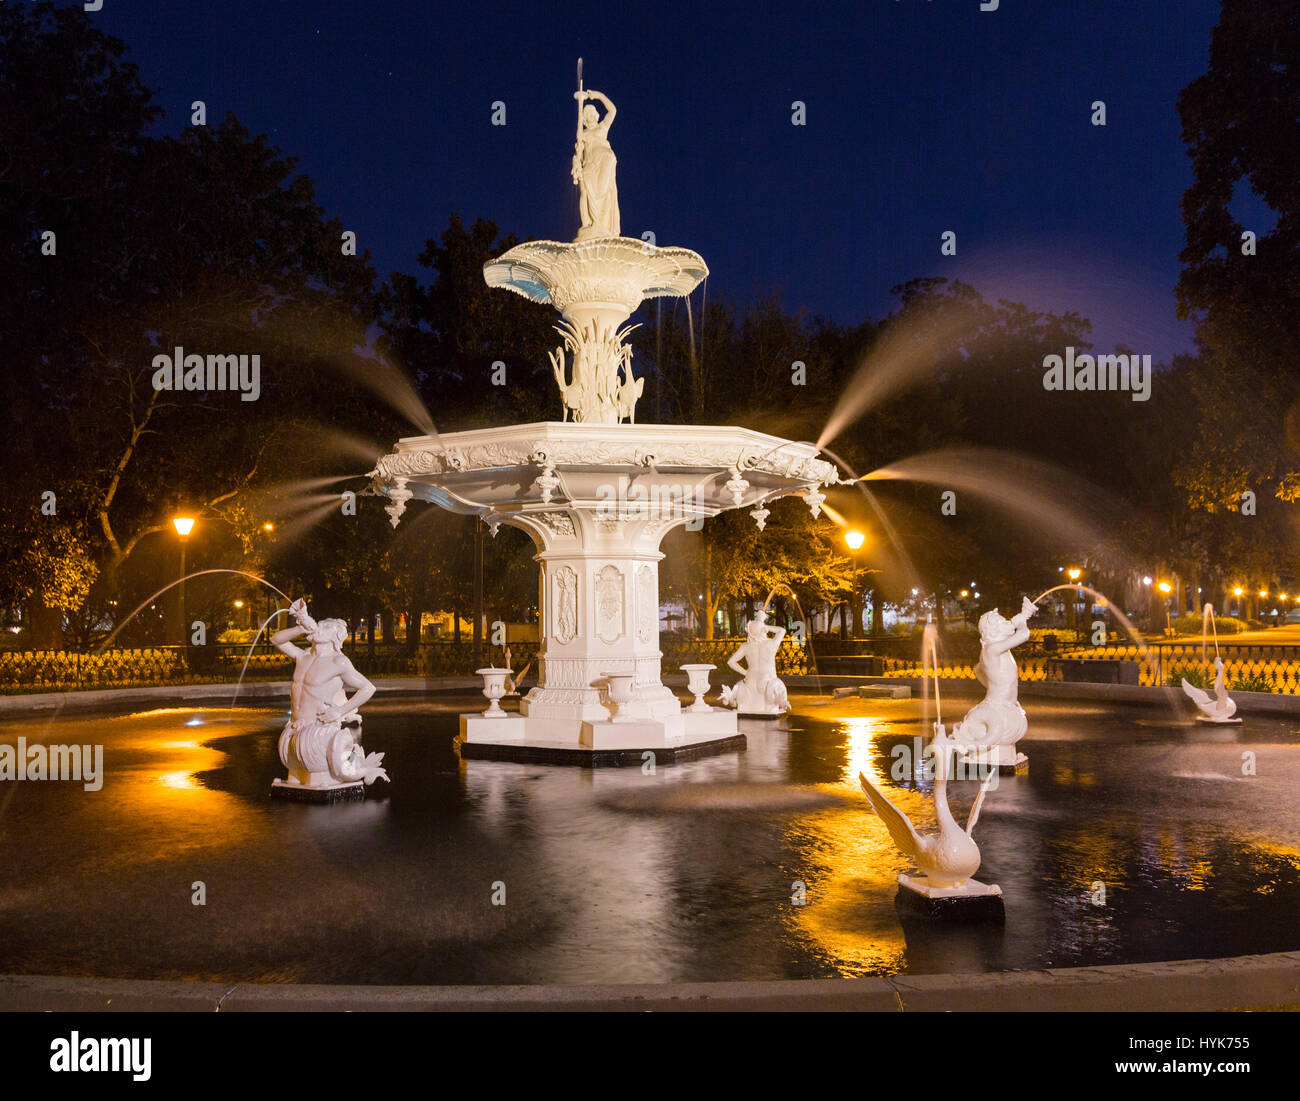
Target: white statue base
(973, 901)
(1217, 721)
(926, 888)
(329, 792)
(503, 728)
(624, 735)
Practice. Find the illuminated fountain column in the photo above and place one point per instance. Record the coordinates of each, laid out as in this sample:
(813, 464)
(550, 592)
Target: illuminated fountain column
(600, 615)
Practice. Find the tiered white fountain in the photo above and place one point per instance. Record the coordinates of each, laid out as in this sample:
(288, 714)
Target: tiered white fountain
(597, 494)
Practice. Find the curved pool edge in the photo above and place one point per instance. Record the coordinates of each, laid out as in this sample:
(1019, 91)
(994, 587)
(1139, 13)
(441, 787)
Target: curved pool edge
(1263, 982)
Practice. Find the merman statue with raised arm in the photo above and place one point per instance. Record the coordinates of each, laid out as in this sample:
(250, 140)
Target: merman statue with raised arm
(320, 745)
(989, 732)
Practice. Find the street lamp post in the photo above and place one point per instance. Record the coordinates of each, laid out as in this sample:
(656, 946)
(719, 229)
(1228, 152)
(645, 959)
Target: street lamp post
(184, 525)
(854, 539)
(1074, 573)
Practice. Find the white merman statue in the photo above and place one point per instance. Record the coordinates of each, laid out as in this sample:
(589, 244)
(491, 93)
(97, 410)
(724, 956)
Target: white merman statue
(594, 167)
(317, 746)
(991, 728)
(761, 692)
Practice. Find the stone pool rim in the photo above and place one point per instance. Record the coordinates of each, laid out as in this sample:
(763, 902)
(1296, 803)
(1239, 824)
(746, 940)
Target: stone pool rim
(1257, 982)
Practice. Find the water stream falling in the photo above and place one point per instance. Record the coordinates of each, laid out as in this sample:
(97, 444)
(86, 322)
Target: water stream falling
(1208, 624)
(180, 581)
(249, 656)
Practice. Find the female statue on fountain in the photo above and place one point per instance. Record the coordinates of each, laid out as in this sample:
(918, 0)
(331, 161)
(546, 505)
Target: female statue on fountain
(762, 691)
(594, 164)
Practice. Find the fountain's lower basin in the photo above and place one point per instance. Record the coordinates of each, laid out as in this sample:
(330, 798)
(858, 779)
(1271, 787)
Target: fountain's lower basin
(623, 875)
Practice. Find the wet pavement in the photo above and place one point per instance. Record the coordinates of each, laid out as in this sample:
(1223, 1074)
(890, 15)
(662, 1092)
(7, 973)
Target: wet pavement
(1133, 837)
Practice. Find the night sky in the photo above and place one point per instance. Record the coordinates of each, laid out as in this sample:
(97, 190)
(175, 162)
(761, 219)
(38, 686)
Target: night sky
(922, 116)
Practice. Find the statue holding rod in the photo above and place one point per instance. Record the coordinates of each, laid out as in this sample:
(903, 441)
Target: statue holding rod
(594, 166)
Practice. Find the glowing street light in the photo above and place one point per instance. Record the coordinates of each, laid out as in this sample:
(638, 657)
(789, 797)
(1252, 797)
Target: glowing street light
(965, 593)
(854, 539)
(1263, 593)
(1147, 582)
(1237, 591)
(239, 603)
(1165, 587)
(1074, 573)
(183, 525)
(268, 526)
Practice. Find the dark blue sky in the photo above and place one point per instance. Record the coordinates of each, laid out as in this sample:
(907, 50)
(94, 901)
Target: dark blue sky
(923, 116)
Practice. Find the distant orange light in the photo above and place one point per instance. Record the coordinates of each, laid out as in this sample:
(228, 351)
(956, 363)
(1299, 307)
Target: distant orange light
(268, 526)
(183, 524)
(1165, 587)
(239, 603)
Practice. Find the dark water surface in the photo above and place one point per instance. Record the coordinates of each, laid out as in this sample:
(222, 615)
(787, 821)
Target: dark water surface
(616, 876)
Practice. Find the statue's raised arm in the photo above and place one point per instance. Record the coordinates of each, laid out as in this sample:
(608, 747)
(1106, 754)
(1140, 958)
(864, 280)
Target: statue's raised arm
(603, 124)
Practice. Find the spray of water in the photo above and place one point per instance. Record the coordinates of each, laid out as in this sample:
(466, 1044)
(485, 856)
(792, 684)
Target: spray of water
(248, 657)
(891, 533)
(1123, 620)
(1207, 625)
(171, 585)
(905, 352)
(930, 669)
(1047, 496)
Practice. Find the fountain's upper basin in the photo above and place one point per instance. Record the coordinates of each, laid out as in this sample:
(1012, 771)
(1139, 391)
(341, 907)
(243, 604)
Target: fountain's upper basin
(619, 272)
(566, 465)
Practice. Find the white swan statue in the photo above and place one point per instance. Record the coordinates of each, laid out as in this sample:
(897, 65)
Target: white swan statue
(947, 860)
(1219, 708)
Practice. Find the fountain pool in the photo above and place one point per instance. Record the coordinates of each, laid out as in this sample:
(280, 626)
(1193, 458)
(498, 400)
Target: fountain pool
(613, 875)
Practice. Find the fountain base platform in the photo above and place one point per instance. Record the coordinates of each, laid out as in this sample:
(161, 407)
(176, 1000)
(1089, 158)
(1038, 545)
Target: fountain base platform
(975, 901)
(539, 752)
(303, 793)
(1216, 722)
(596, 743)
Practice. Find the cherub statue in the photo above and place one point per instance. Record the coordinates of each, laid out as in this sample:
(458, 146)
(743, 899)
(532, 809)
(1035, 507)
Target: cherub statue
(993, 726)
(317, 746)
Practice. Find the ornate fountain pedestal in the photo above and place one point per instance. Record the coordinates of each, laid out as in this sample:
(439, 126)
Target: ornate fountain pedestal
(597, 500)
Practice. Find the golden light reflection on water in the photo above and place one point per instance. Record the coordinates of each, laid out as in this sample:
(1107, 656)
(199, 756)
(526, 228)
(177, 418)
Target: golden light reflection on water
(849, 914)
(183, 780)
(165, 797)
